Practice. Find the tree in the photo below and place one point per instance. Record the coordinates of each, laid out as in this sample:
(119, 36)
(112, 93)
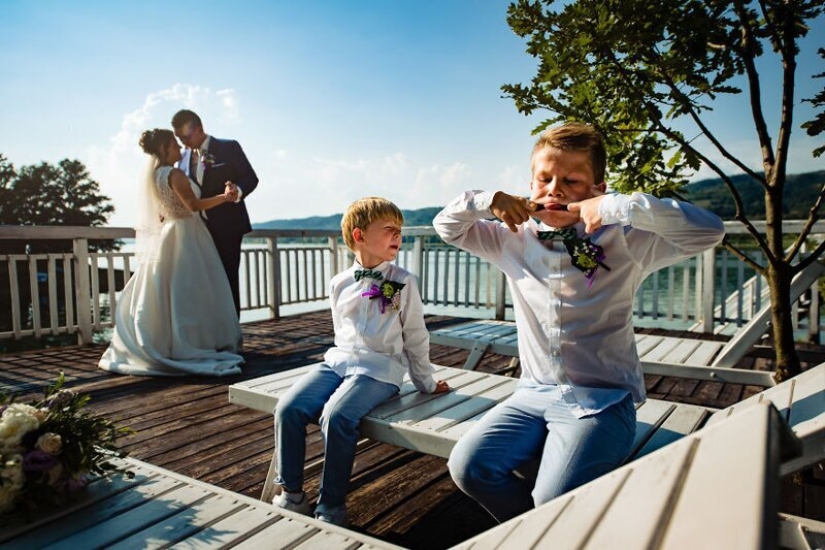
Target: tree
(46, 194)
(645, 73)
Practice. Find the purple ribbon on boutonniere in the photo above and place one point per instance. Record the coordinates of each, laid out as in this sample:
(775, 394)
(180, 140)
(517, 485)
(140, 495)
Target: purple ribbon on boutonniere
(388, 293)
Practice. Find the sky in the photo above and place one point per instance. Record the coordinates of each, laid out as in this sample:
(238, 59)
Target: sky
(332, 100)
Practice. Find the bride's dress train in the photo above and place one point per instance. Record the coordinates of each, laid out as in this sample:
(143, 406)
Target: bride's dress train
(176, 315)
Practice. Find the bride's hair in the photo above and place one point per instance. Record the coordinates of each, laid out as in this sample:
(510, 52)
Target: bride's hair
(151, 141)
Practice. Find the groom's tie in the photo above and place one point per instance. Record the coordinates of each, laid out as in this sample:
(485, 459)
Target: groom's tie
(194, 158)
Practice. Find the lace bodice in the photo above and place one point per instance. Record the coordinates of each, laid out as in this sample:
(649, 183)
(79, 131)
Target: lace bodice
(171, 206)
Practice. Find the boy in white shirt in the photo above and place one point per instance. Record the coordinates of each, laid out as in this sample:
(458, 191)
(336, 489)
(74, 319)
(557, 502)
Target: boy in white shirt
(572, 292)
(379, 336)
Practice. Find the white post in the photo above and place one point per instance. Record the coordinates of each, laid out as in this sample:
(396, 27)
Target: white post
(417, 267)
(274, 268)
(333, 253)
(708, 288)
(501, 294)
(84, 299)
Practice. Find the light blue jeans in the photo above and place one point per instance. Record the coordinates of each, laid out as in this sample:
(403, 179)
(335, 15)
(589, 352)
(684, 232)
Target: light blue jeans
(341, 402)
(535, 424)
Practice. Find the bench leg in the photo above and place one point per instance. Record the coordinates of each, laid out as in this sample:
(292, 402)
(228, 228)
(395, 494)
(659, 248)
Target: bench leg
(479, 348)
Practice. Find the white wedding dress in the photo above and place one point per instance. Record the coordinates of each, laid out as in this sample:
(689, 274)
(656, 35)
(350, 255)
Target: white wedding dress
(176, 315)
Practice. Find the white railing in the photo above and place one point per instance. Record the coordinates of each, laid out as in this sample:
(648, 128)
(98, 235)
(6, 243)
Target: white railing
(287, 271)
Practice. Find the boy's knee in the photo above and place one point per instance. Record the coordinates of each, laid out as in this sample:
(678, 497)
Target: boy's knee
(289, 412)
(467, 473)
(335, 421)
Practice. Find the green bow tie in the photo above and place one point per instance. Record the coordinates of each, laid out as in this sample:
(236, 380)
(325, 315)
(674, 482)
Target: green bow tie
(566, 234)
(367, 273)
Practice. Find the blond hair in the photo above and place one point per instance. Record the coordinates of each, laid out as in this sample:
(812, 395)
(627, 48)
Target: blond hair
(575, 136)
(363, 212)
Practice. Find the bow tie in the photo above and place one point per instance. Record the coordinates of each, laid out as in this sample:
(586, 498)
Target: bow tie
(585, 256)
(367, 273)
(566, 234)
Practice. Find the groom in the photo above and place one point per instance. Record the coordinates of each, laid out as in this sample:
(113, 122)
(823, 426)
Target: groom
(215, 164)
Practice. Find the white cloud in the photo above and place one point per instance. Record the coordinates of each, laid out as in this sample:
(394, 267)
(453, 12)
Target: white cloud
(119, 166)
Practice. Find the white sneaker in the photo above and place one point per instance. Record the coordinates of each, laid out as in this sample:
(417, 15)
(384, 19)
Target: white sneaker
(282, 500)
(336, 516)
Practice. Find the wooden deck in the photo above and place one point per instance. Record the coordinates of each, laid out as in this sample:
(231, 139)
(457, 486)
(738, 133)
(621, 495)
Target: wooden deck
(187, 425)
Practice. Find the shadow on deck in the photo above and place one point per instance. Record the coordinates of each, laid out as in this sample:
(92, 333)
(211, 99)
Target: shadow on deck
(187, 425)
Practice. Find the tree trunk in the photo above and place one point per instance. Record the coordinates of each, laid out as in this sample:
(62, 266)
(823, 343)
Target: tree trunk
(787, 359)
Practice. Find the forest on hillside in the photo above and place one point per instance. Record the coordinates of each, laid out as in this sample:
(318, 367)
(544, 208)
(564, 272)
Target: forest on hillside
(801, 191)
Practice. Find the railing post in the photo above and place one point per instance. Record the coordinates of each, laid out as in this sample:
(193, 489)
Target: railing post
(708, 288)
(334, 253)
(417, 266)
(82, 292)
(274, 267)
(501, 295)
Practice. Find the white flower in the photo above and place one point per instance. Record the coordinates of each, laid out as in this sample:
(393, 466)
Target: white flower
(12, 479)
(50, 443)
(17, 421)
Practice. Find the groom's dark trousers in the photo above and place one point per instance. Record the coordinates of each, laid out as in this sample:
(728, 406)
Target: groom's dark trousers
(227, 223)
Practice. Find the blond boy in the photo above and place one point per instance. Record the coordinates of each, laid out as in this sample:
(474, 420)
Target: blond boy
(379, 336)
(572, 272)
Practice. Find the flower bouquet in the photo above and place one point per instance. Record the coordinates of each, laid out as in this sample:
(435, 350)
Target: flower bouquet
(49, 448)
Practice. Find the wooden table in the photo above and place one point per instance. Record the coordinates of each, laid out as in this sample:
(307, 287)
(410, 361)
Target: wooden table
(160, 508)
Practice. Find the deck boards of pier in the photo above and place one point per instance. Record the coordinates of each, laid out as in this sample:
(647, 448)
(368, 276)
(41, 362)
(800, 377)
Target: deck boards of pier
(187, 425)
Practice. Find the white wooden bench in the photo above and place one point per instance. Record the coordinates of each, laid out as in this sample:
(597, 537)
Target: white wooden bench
(432, 424)
(160, 508)
(660, 355)
(716, 488)
(699, 359)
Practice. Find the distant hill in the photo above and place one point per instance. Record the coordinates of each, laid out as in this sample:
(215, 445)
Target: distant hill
(801, 191)
(421, 216)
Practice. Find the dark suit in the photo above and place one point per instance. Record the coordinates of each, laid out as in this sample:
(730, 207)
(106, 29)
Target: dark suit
(225, 161)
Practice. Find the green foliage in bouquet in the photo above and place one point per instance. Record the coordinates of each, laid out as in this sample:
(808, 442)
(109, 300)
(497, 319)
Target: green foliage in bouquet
(49, 449)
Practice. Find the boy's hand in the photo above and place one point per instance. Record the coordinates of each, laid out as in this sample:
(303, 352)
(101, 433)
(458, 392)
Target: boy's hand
(441, 386)
(512, 210)
(588, 211)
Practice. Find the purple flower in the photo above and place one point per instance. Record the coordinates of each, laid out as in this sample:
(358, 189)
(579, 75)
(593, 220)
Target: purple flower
(75, 484)
(388, 294)
(37, 462)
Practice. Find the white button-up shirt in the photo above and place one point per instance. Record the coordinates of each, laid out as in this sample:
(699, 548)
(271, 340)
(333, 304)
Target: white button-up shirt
(383, 346)
(578, 338)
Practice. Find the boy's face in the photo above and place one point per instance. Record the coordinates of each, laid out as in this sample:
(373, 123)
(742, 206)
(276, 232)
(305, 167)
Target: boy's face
(379, 242)
(559, 178)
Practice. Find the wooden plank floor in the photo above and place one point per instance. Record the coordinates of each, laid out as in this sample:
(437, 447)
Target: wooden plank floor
(187, 425)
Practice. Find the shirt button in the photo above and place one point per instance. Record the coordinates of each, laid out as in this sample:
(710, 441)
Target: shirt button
(556, 353)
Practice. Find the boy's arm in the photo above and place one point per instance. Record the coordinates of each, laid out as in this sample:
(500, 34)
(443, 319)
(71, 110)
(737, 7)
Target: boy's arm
(682, 228)
(464, 223)
(416, 337)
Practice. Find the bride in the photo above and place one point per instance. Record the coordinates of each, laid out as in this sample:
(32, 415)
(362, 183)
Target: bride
(176, 315)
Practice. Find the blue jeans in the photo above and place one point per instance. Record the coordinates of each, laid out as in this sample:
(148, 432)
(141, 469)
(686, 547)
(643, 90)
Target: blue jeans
(341, 402)
(535, 424)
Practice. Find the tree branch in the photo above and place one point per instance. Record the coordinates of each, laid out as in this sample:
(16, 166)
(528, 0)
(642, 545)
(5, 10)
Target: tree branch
(739, 253)
(813, 216)
(747, 53)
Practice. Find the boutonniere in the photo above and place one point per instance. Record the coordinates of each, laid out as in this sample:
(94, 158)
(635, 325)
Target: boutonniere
(584, 254)
(387, 292)
(208, 160)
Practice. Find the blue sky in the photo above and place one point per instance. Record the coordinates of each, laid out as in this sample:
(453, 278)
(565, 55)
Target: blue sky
(332, 100)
